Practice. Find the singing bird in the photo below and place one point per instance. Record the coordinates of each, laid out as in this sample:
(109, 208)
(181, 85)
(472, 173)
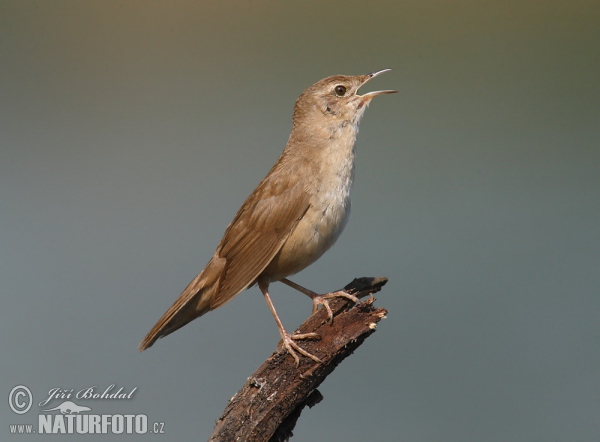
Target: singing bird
(294, 215)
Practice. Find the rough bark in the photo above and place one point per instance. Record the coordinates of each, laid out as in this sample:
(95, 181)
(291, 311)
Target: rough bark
(269, 404)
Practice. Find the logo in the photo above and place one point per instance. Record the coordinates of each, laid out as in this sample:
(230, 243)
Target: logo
(69, 417)
(68, 407)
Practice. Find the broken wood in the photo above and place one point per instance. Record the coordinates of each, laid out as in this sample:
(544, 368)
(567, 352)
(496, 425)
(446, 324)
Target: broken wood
(269, 404)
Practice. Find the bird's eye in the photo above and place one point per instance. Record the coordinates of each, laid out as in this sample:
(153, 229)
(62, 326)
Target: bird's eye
(340, 90)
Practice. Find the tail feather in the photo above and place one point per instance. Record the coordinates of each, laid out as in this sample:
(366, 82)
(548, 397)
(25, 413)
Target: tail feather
(192, 303)
(176, 317)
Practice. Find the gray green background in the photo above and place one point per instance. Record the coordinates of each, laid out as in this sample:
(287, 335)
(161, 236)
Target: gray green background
(131, 131)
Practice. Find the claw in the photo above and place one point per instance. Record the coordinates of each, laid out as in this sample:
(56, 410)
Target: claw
(324, 301)
(290, 345)
(321, 299)
(288, 340)
(305, 336)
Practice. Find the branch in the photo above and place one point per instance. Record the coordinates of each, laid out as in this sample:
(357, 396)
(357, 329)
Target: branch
(269, 404)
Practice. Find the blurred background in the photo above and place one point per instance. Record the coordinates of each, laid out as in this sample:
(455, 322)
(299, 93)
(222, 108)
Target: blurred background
(131, 132)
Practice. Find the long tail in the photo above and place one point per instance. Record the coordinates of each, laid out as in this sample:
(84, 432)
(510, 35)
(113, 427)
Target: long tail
(192, 303)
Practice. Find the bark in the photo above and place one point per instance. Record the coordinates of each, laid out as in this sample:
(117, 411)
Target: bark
(269, 404)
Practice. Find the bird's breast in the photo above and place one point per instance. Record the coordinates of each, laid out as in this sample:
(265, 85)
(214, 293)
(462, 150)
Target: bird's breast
(325, 219)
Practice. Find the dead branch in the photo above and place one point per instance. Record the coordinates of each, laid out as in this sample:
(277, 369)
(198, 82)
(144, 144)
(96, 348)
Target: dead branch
(269, 404)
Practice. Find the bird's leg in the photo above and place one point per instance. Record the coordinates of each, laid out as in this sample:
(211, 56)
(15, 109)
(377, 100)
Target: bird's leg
(320, 299)
(288, 340)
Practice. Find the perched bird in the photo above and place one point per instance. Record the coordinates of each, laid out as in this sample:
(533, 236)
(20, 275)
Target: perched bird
(296, 213)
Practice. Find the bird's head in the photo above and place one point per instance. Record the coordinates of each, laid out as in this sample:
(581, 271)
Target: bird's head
(335, 100)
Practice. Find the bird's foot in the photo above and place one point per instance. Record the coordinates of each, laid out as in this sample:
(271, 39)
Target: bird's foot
(324, 301)
(292, 347)
(321, 299)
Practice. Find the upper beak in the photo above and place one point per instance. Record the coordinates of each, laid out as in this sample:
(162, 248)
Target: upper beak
(371, 95)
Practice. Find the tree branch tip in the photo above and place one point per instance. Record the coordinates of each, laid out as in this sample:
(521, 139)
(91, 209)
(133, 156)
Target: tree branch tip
(268, 406)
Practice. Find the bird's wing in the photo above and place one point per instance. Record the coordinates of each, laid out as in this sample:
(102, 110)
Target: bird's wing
(257, 233)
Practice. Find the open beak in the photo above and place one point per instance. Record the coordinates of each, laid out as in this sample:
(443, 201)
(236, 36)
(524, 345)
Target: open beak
(370, 95)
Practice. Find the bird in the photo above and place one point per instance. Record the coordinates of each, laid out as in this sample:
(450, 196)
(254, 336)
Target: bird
(295, 214)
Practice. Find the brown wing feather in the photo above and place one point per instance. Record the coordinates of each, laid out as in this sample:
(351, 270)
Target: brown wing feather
(256, 234)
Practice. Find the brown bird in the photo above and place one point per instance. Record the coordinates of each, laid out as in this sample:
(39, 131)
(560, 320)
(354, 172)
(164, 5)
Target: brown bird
(294, 215)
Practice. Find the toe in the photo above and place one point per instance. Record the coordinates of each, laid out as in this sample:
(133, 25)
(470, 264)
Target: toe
(305, 336)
